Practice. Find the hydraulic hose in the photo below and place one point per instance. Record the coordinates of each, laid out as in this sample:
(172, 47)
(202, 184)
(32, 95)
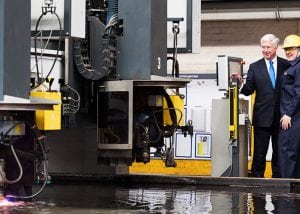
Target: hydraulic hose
(40, 139)
(35, 47)
(19, 165)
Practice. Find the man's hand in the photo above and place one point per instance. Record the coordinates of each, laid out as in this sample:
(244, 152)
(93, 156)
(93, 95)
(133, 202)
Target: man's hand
(285, 122)
(238, 77)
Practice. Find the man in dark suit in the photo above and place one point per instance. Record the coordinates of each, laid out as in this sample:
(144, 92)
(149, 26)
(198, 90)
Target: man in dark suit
(264, 78)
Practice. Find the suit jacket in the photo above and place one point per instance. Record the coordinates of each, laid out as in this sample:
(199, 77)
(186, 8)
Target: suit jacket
(266, 109)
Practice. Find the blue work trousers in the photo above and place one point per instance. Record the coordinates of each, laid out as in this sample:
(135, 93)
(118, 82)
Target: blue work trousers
(289, 151)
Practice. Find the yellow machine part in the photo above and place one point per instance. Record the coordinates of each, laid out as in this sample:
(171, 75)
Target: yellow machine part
(48, 119)
(183, 167)
(233, 114)
(190, 167)
(178, 104)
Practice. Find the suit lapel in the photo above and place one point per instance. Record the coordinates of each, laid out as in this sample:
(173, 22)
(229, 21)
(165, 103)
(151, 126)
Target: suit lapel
(265, 72)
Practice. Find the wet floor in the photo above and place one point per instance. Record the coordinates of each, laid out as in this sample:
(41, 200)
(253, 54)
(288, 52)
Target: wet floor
(97, 198)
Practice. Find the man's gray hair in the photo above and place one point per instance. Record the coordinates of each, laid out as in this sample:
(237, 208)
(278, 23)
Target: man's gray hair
(270, 38)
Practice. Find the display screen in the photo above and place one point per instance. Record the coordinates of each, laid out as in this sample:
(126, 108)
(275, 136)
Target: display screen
(235, 66)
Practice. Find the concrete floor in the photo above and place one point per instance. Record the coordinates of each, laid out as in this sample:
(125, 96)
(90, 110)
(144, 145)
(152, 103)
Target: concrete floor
(162, 194)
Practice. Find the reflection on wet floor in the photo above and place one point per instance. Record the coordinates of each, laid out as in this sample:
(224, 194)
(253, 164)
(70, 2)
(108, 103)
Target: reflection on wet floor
(95, 198)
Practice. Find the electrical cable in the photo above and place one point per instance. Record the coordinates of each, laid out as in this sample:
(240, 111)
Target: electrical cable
(14, 154)
(45, 46)
(182, 96)
(159, 135)
(19, 165)
(230, 157)
(39, 138)
(35, 47)
(112, 9)
(168, 133)
(74, 105)
(2, 139)
(162, 132)
(175, 66)
(35, 41)
(142, 127)
(170, 106)
(176, 109)
(113, 21)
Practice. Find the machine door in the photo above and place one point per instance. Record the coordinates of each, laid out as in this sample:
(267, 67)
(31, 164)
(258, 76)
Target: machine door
(115, 115)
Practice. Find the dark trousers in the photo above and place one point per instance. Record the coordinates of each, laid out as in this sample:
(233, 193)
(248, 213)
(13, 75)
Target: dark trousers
(262, 136)
(289, 151)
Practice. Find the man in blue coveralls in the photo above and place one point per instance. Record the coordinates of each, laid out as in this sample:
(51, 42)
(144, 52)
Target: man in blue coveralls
(289, 134)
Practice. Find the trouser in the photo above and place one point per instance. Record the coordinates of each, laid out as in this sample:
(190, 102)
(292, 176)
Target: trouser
(262, 137)
(289, 151)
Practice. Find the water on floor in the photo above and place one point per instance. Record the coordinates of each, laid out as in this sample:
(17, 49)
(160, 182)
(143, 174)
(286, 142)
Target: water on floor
(97, 199)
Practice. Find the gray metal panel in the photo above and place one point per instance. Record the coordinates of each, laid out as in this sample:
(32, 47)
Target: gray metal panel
(159, 37)
(143, 46)
(1, 47)
(243, 140)
(15, 48)
(74, 151)
(243, 151)
(228, 159)
(221, 151)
